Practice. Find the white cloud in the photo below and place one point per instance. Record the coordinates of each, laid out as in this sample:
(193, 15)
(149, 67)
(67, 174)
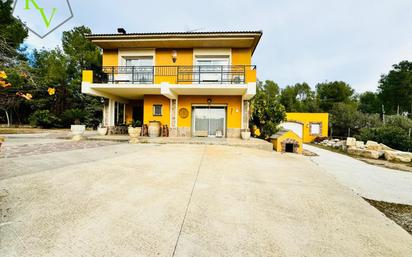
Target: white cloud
(313, 40)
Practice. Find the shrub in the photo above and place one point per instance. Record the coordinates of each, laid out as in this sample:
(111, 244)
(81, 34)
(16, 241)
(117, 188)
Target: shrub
(44, 119)
(134, 123)
(391, 136)
(266, 110)
(399, 121)
(75, 116)
(345, 116)
(138, 123)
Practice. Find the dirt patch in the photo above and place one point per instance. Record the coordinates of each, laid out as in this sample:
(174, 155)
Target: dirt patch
(29, 130)
(401, 214)
(387, 164)
(308, 153)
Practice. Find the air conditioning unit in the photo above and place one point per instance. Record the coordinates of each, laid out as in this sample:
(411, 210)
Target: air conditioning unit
(237, 79)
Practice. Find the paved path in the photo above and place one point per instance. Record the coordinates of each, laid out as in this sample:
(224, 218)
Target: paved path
(373, 182)
(19, 147)
(184, 200)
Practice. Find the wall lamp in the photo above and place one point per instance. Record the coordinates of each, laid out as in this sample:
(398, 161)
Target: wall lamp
(174, 56)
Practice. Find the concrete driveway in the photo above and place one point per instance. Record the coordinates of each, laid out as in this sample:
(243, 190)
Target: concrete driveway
(373, 182)
(184, 200)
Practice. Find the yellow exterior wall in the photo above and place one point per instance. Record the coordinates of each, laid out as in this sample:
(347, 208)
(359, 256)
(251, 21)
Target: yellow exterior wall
(306, 119)
(149, 101)
(110, 58)
(277, 143)
(234, 108)
(243, 56)
(87, 76)
(164, 58)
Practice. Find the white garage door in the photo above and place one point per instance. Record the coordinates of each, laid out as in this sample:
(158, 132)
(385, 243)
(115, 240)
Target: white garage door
(295, 127)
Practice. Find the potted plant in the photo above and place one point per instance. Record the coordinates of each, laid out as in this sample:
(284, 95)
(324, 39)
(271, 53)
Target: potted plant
(134, 130)
(245, 134)
(102, 130)
(76, 116)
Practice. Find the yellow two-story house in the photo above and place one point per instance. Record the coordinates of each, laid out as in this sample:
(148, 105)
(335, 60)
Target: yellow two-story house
(196, 83)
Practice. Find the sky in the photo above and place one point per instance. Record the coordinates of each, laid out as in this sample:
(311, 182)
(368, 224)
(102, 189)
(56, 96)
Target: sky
(311, 41)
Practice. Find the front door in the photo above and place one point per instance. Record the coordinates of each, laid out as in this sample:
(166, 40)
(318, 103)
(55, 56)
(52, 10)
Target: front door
(209, 121)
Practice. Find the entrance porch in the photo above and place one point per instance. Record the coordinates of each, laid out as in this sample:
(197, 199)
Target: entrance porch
(237, 142)
(186, 116)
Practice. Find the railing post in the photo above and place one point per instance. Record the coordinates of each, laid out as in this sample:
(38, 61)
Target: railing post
(199, 73)
(132, 74)
(177, 74)
(112, 74)
(221, 74)
(153, 74)
(244, 74)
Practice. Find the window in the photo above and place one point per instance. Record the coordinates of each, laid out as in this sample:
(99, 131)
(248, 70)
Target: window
(315, 128)
(119, 113)
(157, 110)
(140, 69)
(212, 69)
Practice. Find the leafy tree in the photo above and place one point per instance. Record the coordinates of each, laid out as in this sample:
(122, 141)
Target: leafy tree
(369, 102)
(299, 98)
(12, 64)
(288, 98)
(346, 116)
(395, 88)
(81, 52)
(52, 70)
(267, 112)
(12, 31)
(329, 93)
(61, 70)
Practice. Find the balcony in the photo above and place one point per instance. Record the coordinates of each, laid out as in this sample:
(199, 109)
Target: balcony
(206, 74)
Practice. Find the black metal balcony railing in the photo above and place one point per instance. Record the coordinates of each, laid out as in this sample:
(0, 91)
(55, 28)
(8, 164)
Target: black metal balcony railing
(230, 74)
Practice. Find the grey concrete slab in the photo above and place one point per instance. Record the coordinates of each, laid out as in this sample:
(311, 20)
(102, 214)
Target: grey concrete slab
(373, 182)
(186, 200)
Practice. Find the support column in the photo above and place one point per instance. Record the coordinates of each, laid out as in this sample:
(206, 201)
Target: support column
(173, 118)
(245, 114)
(105, 120)
(111, 113)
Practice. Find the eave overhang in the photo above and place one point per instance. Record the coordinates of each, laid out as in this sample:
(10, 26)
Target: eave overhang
(232, 39)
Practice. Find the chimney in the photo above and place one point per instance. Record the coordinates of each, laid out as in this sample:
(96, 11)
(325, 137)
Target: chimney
(121, 31)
